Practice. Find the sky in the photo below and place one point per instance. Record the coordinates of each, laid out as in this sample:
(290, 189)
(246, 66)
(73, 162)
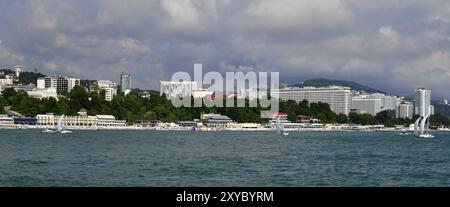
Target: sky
(392, 45)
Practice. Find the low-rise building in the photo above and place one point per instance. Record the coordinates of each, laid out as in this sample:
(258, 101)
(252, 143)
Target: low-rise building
(109, 121)
(109, 87)
(6, 120)
(216, 120)
(83, 121)
(43, 93)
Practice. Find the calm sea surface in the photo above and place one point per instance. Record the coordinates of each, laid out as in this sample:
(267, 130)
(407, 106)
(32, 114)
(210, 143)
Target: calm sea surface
(153, 158)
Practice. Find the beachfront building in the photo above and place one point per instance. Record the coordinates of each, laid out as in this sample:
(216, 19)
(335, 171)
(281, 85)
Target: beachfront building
(177, 89)
(43, 93)
(6, 120)
(83, 121)
(61, 84)
(405, 110)
(109, 121)
(367, 105)
(339, 98)
(216, 120)
(423, 102)
(109, 87)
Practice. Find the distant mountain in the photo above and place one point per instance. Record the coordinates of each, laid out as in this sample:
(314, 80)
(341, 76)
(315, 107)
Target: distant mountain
(326, 82)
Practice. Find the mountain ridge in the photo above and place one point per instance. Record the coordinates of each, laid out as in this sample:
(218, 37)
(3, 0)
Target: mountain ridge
(322, 82)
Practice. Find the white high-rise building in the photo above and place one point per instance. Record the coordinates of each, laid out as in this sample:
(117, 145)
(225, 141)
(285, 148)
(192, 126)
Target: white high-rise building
(18, 70)
(446, 101)
(405, 110)
(368, 105)
(64, 84)
(174, 89)
(423, 102)
(110, 88)
(339, 98)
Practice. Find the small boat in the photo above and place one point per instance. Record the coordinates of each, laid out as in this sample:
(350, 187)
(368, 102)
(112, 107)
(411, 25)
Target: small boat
(426, 136)
(61, 128)
(421, 127)
(404, 132)
(280, 128)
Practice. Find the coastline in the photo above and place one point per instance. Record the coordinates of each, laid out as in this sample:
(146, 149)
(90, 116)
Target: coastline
(204, 129)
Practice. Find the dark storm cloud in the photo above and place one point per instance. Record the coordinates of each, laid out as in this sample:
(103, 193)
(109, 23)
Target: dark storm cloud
(392, 45)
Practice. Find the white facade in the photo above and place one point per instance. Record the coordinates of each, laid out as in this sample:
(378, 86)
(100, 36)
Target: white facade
(252, 93)
(8, 80)
(405, 110)
(18, 70)
(368, 105)
(69, 121)
(6, 120)
(65, 84)
(43, 93)
(110, 88)
(339, 98)
(81, 121)
(109, 121)
(72, 82)
(387, 102)
(40, 83)
(174, 89)
(423, 102)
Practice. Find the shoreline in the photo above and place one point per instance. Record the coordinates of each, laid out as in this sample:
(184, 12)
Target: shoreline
(132, 128)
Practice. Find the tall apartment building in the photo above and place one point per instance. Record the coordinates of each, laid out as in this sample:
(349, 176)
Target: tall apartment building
(339, 98)
(173, 89)
(423, 102)
(125, 82)
(61, 84)
(110, 88)
(405, 110)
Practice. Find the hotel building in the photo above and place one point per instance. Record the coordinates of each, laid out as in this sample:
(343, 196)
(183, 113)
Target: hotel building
(367, 105)
(110, 88)
(339, 98)
(61, 84)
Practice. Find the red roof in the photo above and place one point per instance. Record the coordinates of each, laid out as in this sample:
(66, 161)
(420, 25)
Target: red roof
(278, 114)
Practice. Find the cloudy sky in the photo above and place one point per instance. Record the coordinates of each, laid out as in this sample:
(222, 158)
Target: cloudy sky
(393, 45)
